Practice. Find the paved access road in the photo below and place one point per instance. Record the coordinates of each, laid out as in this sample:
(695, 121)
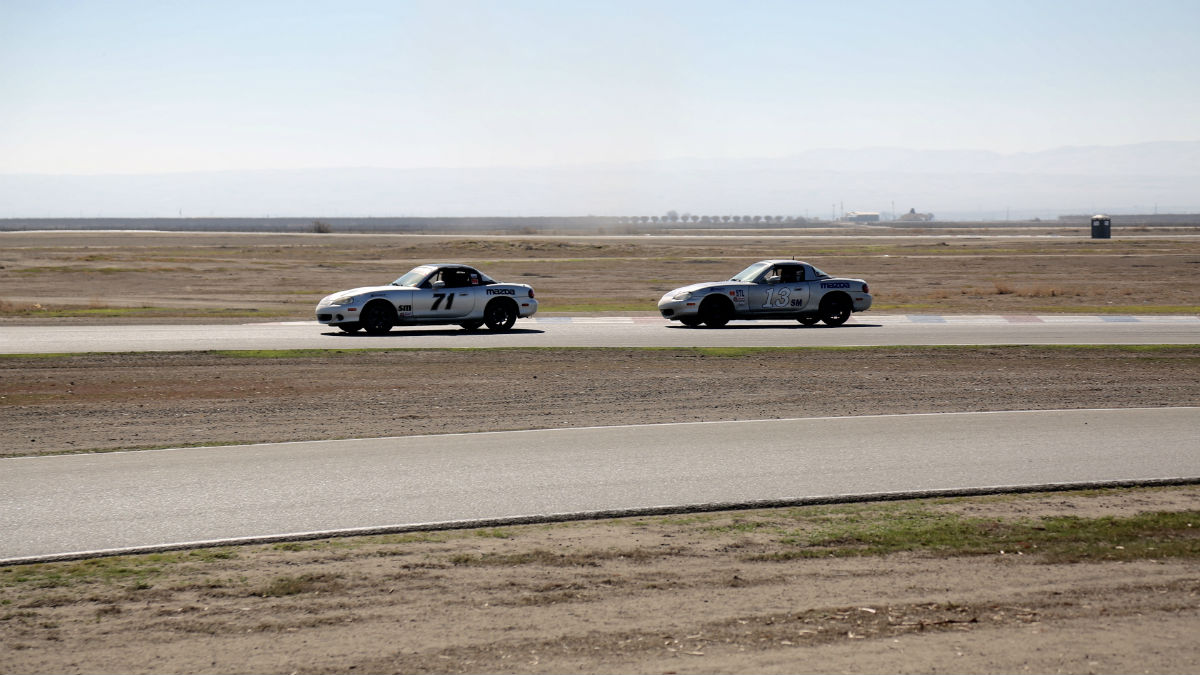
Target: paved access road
(76, 503)
(863, 330)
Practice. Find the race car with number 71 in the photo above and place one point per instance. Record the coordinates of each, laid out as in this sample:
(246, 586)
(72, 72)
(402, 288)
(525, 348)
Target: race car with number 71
(430, 294)
(768, 289)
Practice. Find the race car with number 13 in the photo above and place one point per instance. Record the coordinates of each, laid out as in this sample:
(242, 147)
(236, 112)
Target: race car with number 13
(768, 289)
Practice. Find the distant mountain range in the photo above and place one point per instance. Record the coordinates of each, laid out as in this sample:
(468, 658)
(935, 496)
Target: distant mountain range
(1160, 177)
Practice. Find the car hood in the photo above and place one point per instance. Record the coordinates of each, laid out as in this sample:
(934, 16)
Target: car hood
(362, 290)
(709, 284)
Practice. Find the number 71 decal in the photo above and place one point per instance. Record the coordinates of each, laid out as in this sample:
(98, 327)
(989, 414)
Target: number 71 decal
(438, 297)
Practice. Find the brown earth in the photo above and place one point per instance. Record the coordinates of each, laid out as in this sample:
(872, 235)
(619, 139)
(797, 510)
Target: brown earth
(672, 594)
(123, 401)
(170, 276)
(701, 594)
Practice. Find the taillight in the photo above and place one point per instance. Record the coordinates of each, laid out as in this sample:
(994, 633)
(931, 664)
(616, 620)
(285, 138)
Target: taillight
(865, 289)
(531, 292)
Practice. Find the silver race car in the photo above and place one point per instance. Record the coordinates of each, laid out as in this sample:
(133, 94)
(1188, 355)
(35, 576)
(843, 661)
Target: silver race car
(768, 289)
(434, 293)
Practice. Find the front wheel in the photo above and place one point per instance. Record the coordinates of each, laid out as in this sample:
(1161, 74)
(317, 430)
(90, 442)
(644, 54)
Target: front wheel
(691, 321)
(377, 318)
(350, 327)
(836, 310)
(716, 312)
(500, 315)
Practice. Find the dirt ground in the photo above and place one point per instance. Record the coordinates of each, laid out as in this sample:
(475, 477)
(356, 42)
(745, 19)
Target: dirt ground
(173, 276)
(671, 594)
(122, 401)
(698, 594)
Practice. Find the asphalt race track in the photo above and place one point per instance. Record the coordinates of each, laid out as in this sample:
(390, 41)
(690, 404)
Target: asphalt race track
(78, 505)
(75, 504)
(648, 331)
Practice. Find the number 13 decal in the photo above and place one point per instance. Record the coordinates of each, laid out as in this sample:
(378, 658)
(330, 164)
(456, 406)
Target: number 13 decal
(776, 297)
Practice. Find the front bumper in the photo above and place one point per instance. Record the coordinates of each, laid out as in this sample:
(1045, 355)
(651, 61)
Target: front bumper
(677, 309)
(335, 314)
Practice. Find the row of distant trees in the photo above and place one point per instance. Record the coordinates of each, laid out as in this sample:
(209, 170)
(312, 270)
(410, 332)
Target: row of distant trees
(674, 217)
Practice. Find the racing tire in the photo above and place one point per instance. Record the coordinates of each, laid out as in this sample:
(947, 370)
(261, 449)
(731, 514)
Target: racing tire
(808, 319)
(691, 321)
(377, 318)
(350, 327)
(471, 325)
(500, 315)
(836, 310)
(716, 312)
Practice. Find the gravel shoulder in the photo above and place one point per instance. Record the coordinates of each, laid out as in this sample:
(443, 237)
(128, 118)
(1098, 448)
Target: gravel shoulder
(92, 402)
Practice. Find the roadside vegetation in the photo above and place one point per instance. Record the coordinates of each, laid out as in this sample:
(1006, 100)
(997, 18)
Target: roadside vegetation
(935, 527)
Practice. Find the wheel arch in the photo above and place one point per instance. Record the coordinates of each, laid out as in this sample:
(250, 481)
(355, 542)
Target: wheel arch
(836, 296)
(717, 299)
(503, 300)
(388, 307)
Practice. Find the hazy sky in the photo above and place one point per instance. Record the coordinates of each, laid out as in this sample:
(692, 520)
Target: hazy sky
(121, 86)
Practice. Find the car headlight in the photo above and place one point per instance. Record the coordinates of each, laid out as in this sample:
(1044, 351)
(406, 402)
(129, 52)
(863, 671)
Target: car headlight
(342, 300)
(682, 295)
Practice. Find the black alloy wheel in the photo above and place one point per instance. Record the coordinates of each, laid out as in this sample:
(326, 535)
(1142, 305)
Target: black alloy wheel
(836, 310)
(377, 318)
(716, 312)
(500, 315)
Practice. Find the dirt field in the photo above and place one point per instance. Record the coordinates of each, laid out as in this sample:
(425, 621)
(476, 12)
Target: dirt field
(172, 276)
(123, 401)
(726, 592)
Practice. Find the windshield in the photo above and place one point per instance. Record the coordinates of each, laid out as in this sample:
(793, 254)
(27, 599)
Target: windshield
(414, 277)
(751, 272)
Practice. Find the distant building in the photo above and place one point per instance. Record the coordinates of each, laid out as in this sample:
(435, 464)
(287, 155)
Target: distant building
(913, 217)
(861, 217)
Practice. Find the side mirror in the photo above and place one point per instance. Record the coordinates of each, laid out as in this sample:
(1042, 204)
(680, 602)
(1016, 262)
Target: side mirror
(439, 284)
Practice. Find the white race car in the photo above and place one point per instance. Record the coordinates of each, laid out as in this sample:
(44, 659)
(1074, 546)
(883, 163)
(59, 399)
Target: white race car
(434, 293)
(768, 289)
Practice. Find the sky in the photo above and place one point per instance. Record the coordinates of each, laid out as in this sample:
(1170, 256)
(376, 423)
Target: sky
(161, 86)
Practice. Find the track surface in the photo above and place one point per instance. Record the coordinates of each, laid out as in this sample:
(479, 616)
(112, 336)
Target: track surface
(86, 503)
(863, 330)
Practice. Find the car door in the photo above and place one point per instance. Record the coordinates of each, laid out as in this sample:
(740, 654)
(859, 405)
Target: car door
(445, 295)
(782, 289)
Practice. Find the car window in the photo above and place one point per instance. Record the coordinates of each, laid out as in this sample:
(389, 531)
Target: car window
(414, 277)
(751, 272)
(789, 274)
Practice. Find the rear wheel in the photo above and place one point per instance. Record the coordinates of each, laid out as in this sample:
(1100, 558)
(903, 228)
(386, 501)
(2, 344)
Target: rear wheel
(808, 319)
(836, 309)
(500, 315)
(471, 325)
(716, 312)
(377, 318)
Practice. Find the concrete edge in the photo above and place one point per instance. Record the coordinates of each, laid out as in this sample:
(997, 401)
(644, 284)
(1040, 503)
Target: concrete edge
(600, 515)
